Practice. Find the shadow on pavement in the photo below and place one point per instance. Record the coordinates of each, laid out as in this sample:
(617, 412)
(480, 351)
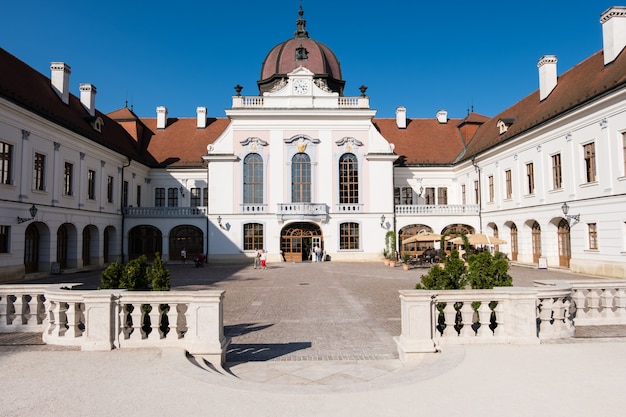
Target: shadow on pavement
(262, 352)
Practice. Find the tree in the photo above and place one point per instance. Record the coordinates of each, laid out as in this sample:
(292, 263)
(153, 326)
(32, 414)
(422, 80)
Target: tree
(158, 275)
(135, 275)
(453, 275)
(110, 277)
(487, 271)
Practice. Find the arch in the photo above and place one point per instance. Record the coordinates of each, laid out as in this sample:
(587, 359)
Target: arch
(31, 248)
(456, 229)
(301, 178)
(67, 245)
(297, 239)
(565, 246)
(411, 230)
(495, 233)
(514, 241)
(348, 179)
(186, 237)
(90, 245)
(253, 179)
(110, 249)
(536, 240)
(144, 240)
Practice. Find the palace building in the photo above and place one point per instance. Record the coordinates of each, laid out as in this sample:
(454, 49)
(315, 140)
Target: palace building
(302, 165)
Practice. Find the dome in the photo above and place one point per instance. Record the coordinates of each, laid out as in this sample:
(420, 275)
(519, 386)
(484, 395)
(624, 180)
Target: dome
(301, 51)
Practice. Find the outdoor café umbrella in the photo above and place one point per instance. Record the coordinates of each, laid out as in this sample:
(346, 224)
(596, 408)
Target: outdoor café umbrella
(479, 239)
(422, 237)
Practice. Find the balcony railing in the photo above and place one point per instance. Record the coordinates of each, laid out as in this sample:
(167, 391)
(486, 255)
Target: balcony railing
(440, 209)
(256, 102)
(302, 211)
(253, 208)
(165, 211)
(349, 208)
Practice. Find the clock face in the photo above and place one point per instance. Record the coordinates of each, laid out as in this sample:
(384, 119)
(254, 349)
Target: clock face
(300, 86)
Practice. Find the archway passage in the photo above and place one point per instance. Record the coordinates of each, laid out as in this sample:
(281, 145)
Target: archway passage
(31, 249)
(297, 239)
(186, 237)
(144, 240)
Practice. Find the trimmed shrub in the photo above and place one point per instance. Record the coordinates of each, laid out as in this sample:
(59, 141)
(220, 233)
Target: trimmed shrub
(134, 276)
(158, 275)
(487, 271)
(453, 276)
(111, 276)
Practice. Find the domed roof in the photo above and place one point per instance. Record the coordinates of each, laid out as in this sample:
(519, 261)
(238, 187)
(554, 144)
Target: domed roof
(301, 51)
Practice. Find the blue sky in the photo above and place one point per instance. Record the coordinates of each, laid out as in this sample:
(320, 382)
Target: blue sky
(425, 56)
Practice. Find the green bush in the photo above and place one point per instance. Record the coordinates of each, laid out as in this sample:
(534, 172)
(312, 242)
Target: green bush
(135, 274)
(487, 271)
(158, 275)
(453, 276)
(390, 245)
(111, 276)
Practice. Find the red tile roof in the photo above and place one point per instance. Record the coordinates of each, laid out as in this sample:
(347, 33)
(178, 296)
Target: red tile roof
(33, 91)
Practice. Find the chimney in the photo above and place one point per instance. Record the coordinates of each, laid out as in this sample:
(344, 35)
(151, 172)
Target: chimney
(161, 117)
(442, 116)
(613, 32)
(88, 98)
(547, 75)
(401, 117)
(60, 80)
(201, 114)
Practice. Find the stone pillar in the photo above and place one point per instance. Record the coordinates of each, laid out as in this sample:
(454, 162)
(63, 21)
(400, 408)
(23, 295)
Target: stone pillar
(418, 319)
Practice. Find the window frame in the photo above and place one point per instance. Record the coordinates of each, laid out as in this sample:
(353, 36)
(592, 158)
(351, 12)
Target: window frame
(301, 178)
(159, 197)
(491, 188)
(39, 172)
(589, 160)
(6, 163)
(592, 233)
(530, 178)
(91, 184)
(110, 181)
(172, 197)
(557, 171)
(253, 179)
(195, 197)
(5, 238)
(349, 179)
(68, 179)
(253, 236)
(349, 236)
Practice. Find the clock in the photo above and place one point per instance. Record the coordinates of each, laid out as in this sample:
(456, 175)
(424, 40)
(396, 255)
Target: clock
(300, 86)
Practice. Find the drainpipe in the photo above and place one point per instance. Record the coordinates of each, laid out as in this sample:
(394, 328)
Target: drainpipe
(206, 258)
(480, 195)
(122, 208)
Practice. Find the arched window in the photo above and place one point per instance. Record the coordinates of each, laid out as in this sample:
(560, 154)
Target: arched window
(301, 178)
(253, 179)
(536, 240)
(348, 179)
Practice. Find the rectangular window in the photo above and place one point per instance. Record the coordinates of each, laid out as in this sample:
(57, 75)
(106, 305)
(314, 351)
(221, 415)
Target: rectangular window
(403, 195)
(590, 161)
(68, 179)
(39, 174)
(530, 178)
(348, 236)
(172, 197)
(508, 184)
(442, 196)
(463, 195)
(476, 193)
(205, 197)
(125, 194)
(491, 191)
(252, 236)
(429, 196)
(624, 151)
(6, 163)
(91, 184)
(5, 232)
(556, 172)
(195, 197)
(138, 196)
(159, 197)
(593, 235)
(109, 189)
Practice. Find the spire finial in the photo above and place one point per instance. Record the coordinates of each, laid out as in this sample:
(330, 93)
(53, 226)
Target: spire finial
(301, 25)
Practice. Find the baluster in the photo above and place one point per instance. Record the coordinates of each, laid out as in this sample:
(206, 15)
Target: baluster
(3, 310)
(182, 318)
(70, 317)
(620, 304)
(123, 332)
(593, 302)
(41, 308)
(155, 320)
(467, 320)
(499, 310)
(53, 313)
(545, 316)
(568, 313)
(62, 319)
(171, 321)
(580, 304)
(137, 317)
(558, 316)
(606, 303)
(449, 314)
(484, 318)
(17, 310)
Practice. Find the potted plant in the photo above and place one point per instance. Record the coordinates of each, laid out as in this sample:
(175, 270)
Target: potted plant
(406, 258)
(390, 247)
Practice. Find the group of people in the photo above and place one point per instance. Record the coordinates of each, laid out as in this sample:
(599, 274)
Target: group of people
(316, 254)
(260, 258)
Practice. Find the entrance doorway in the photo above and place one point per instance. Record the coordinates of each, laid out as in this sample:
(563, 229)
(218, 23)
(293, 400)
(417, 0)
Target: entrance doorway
(297, 239)
(565, 250)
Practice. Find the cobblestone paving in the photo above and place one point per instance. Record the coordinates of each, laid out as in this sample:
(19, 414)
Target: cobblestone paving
(306, 311)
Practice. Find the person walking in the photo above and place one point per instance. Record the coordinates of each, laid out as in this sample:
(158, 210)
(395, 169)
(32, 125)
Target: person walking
(257, 258)
(263, 259)
(183, 255)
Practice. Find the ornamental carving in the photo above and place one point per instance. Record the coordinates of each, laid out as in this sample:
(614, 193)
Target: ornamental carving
(349, 143)
(254, 143)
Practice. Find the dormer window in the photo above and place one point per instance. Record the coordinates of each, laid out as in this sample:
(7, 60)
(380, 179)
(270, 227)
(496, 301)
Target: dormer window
(301, 53)
(97, 124)
(504, 124)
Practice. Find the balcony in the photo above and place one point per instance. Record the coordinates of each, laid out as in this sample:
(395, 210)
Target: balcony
(439, 209)
(349, 208)
(302, 211)
(165, 211)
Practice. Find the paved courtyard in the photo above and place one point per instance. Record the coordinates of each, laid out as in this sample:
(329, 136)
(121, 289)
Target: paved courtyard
(315, 339)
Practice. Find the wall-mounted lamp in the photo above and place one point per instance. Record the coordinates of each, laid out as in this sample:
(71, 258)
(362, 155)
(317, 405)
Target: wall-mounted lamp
(421, 192)
(575, 218)
(182, 191)
(219, 222)
(382, 221)
(33, 213)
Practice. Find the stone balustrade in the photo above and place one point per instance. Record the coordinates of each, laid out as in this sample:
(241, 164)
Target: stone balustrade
(439, 209)
(108, 319)
(516, 315)
(165, 211)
